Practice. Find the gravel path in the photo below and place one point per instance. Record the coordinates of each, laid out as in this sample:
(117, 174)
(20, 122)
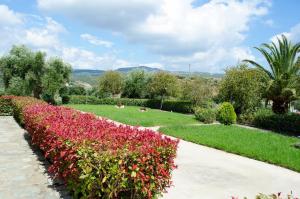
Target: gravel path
(22, 169)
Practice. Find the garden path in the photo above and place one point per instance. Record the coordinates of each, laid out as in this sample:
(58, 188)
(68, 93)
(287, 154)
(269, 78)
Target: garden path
(22, 168)
(209, 173)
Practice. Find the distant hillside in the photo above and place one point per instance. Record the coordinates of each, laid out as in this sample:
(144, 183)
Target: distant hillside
(87, 72)
(145, 68)
(91, 76)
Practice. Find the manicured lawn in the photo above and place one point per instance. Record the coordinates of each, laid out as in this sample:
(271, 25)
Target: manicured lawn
(269, 147)
(133, 116)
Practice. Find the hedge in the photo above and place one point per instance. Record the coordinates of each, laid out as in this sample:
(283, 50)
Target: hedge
(97, 158)
(168, 105)
(5, 106)
(283, 123)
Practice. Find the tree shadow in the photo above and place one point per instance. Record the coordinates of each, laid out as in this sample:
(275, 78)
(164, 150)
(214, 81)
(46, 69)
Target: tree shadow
(53, 183)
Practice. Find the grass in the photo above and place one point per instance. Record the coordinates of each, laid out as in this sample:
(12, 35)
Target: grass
(133, 116)
(264, 146)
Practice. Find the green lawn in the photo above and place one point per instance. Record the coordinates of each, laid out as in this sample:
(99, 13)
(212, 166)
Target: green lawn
(269, 147)
(133, 116)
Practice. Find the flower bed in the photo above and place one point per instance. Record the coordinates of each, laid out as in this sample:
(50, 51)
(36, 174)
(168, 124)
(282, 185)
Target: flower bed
(96, 158)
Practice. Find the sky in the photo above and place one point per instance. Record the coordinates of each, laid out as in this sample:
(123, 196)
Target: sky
(210, 35)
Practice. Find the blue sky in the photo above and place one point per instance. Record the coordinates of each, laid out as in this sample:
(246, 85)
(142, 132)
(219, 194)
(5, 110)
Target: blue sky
(169, 34)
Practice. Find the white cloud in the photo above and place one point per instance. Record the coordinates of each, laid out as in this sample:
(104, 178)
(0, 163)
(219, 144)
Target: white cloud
(174, 29)
(293, 34)
(9, 17)
(96, 41)
(44, 34)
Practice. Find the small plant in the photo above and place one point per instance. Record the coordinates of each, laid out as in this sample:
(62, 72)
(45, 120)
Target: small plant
(226, 114)
(205, 115)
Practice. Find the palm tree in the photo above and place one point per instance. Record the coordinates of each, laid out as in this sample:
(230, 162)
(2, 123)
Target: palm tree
(284, 72)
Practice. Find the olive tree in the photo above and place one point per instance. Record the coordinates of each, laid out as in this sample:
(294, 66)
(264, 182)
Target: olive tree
(163, 84)
(111, 82)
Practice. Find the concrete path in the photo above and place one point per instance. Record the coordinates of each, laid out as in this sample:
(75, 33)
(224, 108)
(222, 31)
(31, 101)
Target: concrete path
(202, 172)
(22, 169)
(213, 174)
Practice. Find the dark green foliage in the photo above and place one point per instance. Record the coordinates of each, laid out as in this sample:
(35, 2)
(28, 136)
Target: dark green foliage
(297, 105)
(5, 107)
(135, 85)
(198, 90)
(169, 105)
(226, 114)
(246, 118)
(282, 58)
(76, 90)
(205, 115)
(283, 123)
(163, 85)
(111, 82)
(243, 87)
(65, 99)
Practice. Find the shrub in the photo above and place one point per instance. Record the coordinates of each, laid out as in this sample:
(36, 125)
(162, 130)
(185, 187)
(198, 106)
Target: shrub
(246, 118)
(284, 123)
(169, 105)
(5, 106)
(205, 115)
(226, 114)
(65, 99)
(97, 158)
(297, 105)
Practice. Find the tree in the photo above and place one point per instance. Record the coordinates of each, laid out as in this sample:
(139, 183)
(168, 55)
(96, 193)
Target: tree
(18, 87)
(198, 90)
(135, 85)
(57, 74)
(163, 84)
(35, 74)
(111, 82)
(16, 64)
(284, 71)
(23, 69)
(243, 87)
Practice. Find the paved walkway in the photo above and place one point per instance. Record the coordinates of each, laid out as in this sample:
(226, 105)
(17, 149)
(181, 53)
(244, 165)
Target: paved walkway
(22, 169)
(208, 173)
(202, 172)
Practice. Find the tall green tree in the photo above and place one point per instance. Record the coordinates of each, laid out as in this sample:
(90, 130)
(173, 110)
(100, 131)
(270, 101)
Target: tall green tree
(135, 85)
(243, 87)
(57, 75)
(36, 73)
(163, 84)
(16, 64)
(111, 82)
(198, 90)
(283, 72)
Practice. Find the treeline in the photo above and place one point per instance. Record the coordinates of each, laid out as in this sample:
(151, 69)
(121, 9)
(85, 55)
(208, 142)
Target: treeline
(28, 73)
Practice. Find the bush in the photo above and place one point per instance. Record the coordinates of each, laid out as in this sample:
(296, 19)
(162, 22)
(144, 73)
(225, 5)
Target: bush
(246, 118)
(169, 105)
(205, 115)
(226, 114)
(5, 106)
(297, 105)
(96, 158)
(65, 99)
(284, 123)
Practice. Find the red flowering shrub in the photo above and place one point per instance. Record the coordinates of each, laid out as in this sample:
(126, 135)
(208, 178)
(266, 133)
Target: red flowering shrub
(96, 158)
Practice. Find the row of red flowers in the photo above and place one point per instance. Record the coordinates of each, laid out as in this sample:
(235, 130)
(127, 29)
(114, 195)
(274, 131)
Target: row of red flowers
(97, 158)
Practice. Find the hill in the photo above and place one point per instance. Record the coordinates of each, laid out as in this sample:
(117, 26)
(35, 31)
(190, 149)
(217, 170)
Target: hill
(91, 76)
